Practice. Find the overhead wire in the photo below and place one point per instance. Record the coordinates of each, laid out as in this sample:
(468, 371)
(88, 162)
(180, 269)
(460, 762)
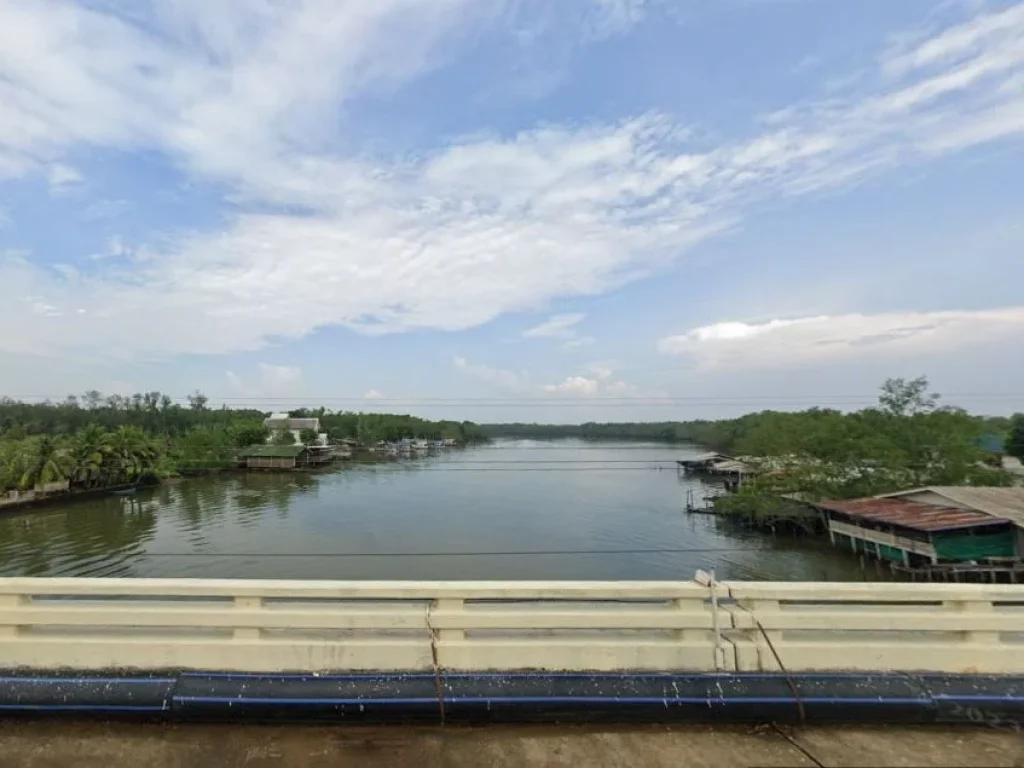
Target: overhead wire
(500, 553)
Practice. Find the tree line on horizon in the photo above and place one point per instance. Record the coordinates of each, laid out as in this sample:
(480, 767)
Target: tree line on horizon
(772, 432)
(905, 440)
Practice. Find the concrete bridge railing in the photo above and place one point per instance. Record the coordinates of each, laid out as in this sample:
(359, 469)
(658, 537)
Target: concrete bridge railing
(293, 626)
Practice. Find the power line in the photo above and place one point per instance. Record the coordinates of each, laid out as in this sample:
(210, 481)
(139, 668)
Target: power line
(866, 397)
(505, 553)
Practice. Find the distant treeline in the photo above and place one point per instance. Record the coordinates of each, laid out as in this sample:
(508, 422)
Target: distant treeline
(809, 432)
(369, 428)
(717, 435)
(158, 414)
(746, 434)
(906, 440)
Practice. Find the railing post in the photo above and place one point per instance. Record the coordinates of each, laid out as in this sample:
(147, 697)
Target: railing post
(449, 605)
(763, 639)
(969, 607)
(11, 603)
(686, 605)
(247, 604)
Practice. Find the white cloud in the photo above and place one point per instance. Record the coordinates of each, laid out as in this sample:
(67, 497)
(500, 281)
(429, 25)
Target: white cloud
(556, 327)
(599, 381)
(562, 327)
(372, 394)
(498, 376)
(805, 341)
(248, 94)
(115, 249)
(62, 177)
(271, 380)
(574, 385)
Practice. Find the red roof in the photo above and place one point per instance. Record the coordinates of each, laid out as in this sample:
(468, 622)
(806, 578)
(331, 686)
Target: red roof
(911, 514)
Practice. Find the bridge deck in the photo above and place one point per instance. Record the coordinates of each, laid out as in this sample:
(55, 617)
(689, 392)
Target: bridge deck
(42, 744)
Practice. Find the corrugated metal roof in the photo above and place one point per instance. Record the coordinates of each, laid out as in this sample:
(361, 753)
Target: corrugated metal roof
(1007, 503)
(271, 451)
(910, 514)
(730, 466)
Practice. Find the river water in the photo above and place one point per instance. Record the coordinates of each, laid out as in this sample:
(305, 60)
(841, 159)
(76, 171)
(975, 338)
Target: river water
(513, 509)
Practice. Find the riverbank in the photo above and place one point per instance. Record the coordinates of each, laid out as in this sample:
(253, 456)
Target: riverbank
(68, 497)
(51, 500)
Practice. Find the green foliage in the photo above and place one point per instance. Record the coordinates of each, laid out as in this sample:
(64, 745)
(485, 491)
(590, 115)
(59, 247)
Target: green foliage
(130, 452)
(1015, 436)
(248, 433)
(370, 428)
(283, 437)
(98, 440)
(204, 449)
(900, 397)
(308, 436)
(47, 463)
(196, 401)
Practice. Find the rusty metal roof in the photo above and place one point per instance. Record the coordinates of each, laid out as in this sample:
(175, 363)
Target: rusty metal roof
(911, 514)
(1005, 503)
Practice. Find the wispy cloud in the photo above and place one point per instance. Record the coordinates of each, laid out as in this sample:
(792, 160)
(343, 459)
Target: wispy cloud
(783, 343)
(556, 327)
(574, 385)
(248, 94)
(62, 178)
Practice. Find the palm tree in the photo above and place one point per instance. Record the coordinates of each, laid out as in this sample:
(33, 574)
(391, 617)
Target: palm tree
(130, 452)
(47, 463)
(88, 454)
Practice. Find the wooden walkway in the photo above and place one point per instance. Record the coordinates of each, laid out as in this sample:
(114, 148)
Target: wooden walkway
(964, 573)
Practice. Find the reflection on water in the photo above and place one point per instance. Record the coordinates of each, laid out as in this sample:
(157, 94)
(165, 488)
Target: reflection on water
(585, 511)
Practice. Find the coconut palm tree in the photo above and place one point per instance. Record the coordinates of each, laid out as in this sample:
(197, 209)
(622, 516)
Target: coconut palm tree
(130, 452)
(88, 455)
(47, 463)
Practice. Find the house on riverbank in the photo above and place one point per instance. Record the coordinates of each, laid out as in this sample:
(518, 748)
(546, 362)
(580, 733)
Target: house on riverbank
(732, 472)
(283, 457)
(951, 531)
(1004, 503)
(282, 422)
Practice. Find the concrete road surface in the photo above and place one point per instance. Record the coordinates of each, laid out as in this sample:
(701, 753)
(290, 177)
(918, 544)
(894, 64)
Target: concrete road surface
(88, 745)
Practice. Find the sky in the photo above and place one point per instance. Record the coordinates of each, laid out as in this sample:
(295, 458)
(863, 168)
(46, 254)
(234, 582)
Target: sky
(513, 209)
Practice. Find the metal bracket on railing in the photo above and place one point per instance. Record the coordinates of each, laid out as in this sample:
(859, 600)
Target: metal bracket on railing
(707, 579)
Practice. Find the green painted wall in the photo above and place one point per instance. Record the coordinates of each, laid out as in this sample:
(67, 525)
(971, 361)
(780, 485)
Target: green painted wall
(967, 546)
(890, 553)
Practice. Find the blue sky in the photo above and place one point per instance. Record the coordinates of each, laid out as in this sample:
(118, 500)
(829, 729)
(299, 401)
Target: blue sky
(739, 203)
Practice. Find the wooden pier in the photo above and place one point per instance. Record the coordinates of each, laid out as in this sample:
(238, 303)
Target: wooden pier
(970, 573)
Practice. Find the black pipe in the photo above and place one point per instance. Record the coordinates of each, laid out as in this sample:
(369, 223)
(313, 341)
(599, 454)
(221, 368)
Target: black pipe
(862, 698)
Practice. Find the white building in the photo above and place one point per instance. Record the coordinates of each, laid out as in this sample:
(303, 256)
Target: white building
(278, 422)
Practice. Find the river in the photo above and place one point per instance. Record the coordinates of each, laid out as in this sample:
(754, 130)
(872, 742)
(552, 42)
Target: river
(513, 509)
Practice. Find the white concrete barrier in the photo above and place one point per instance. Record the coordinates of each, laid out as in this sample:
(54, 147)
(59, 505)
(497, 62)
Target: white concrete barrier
(279, 626)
